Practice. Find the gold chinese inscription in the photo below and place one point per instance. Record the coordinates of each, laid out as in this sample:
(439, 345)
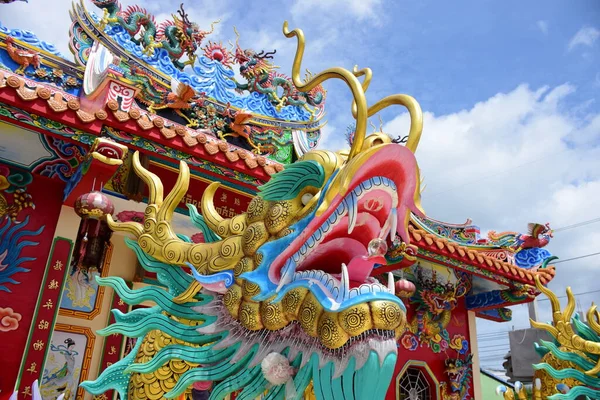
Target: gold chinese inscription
(32, 368)
(53, 284)
(39, 345)
(48, 305)
(223, 211)
(27, 391)
(58, 265)
(43, 325)
(121, 302)
(113, 350)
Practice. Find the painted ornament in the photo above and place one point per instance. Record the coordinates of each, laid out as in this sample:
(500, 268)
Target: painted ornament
(405, 288)
(277, 371)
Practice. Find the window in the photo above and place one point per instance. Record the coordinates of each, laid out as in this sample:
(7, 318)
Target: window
(414, 385)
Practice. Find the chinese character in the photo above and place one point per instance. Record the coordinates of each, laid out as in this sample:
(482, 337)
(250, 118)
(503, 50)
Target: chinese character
(113, 350)
(48, 304)
(121, 302)
(101, 397)
(53, 284)
(224, 197)
(58, 265)
(32, 368)
(43, 325)
(39, 345)
(236, 201)
(108, 364)
(27, 391)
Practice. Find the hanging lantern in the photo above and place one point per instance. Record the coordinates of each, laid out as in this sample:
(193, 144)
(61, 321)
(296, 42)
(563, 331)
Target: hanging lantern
(94, 233)
(405, 288)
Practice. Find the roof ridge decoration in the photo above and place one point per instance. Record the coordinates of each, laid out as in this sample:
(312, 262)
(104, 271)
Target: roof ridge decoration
(31, 39)
(525, 250)
(161, 47)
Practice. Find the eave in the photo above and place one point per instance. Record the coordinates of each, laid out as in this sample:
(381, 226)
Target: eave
(59, 106)
(482, 265)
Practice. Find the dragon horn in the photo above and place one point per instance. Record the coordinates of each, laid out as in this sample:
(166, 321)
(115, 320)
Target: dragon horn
(237, 37)
(562, 329)
(212, 26)
(332, 73)
(157, 238)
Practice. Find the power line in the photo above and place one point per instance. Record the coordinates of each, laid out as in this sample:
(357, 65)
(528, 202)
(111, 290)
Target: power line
(577, 225)
(576, 258)
(574, 294)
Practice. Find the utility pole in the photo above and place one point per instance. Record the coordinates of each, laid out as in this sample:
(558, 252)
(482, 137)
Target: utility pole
(533, 312)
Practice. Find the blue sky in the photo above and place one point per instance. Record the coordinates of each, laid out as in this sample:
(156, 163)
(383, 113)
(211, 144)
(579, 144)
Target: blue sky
(510, 92)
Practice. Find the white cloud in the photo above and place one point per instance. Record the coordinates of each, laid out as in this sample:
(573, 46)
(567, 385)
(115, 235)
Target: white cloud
(358, 9)
(506, 162)
(52, 25)
(542, 26)
(586, 36)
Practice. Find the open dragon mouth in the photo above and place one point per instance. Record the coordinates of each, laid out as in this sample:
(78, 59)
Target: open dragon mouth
(335, 262)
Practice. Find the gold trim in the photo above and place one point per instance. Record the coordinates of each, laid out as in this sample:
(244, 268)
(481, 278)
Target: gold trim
(99, 296)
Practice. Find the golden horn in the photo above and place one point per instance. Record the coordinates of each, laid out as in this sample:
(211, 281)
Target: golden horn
(223, 227)
(155, 187)
(331, 73)
(368, 74)
(414, 110)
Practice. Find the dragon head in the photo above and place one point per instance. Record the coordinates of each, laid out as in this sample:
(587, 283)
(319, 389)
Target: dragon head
(438, 298)
(189, 33)
(293, 273)
(251, 63)
(458, 372)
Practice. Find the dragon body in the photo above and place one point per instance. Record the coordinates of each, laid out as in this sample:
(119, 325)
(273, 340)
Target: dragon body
(434, 305)
(459, 373)
(570, 365)
(261, 77)
(291, 278)
(178, 37)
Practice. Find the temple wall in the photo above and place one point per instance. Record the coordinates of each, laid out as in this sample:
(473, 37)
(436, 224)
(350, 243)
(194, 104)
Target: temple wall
(25, 244)
(430, 340)
(85, 310)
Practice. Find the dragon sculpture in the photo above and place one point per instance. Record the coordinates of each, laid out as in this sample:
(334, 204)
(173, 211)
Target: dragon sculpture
(261, 77)
(527, 249)
(178, 37)
(434, 305)
(459, 375)
(570, 366)
(290, 278)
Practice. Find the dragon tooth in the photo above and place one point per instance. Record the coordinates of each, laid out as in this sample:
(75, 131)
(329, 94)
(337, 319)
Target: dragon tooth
(335, 293)
(364, 289)
(394, 224)
(344, 284)
(368, 184)
(376, 181)
(303, 249)
(352, 212)
(353, 293)
(391, 285)
(287, 276)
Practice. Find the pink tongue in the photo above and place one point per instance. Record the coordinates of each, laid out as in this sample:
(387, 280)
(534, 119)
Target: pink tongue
(360, 267)
(329, 256)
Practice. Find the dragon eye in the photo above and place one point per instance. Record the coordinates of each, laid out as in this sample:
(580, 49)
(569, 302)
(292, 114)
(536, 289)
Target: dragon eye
(306, 197)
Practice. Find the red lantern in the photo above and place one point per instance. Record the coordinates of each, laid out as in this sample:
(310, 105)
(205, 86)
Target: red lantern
(94, 233)
(405, 288)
